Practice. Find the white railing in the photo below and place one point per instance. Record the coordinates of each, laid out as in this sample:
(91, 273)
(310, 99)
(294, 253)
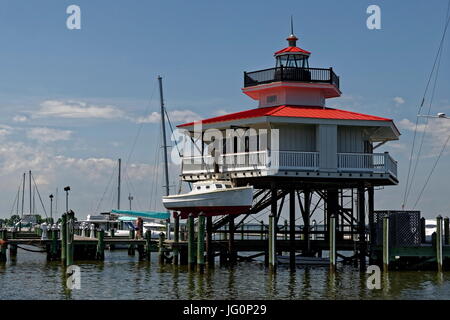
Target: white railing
(288, 160)
(292, 160)
(367, 162)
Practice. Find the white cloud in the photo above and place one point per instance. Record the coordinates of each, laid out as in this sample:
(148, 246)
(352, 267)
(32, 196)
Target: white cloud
(399, 100)
(175, 116)
(77, 110)
(48, 134)
(5, 130)
(20, 119)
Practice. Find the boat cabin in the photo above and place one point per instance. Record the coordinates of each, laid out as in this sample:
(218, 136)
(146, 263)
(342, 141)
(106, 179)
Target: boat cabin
(207, 186)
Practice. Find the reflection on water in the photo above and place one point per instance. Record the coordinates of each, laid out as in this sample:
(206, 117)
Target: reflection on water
(123, 277)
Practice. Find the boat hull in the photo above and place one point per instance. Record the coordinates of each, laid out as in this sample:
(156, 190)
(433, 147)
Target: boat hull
(230, 201)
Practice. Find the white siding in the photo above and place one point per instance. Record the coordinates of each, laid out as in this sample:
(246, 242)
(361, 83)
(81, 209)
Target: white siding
(327, 146)
(350, 139)
(300, 138)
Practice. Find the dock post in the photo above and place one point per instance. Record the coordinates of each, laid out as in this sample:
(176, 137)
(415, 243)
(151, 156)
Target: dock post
(386, 243)
(231, 249)
(63, 237)
(362, 250)
(148, 244)
(262, 230)
(272, 249)
(13, 247)
(191, 241)
(292, 230)
(100, 254)
(209, 248)
(285, 230)
(54, 245)
(176, 239)
(201, 243)
(111, 246)
(161, 248)
(422, 230)
(4, 246)
(69, 238)
(439, 257)
(332, 237)
(131, 250)
(446, 231)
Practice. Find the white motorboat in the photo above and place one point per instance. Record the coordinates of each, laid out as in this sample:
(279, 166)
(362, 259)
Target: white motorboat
(212, 198)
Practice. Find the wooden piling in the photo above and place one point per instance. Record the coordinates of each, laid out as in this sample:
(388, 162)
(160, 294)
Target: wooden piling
(148, 244)
(209, 248)
(63, 237)
(13, 247)
(292, 261)
(191, 242)
(131, 248)
(332, 238)
(272, 246)
(69, 238)
(100, 254)
(3, 246)
(112, 231)
(161, 248)
(422, 230)
(262, 230)
(54, 245)
(176, 239)
(446, 231)
(439, 256)
(386, 253)
(231, 250)
(201, 243)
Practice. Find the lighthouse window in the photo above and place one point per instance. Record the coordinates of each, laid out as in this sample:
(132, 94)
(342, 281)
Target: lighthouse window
(271, 99)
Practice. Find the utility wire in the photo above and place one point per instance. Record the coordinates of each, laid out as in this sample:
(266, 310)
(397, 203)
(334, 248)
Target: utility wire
(422, 103)
(431, 172)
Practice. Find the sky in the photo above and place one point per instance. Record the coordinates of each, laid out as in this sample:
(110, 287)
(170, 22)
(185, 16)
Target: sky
(74, 101)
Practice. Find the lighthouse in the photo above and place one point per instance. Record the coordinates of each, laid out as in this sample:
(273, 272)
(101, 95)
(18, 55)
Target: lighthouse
(322, 158)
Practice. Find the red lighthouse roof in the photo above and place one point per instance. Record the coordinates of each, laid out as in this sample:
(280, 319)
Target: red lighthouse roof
(291, 111)
(292, 50)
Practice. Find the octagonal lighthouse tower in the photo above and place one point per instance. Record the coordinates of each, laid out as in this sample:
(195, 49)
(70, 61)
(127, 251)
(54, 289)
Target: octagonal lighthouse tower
(292, 81)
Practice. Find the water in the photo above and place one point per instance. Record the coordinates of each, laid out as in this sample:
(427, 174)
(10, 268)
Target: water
(123, 277)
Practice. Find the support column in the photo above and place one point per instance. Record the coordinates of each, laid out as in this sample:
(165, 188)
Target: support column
(371, 213)
(332, 205)
(273, 231)
(191, 242)
(13, 247)
(386, 254)
(292, 230)
(63, 237)
(201, 243)
(306, 220)
(439, 256)
(176, 239)
(3, 246)
(209, 248)
(69, 238)
(332, 236)
(446, 231)
(231, 248)
(362, 228)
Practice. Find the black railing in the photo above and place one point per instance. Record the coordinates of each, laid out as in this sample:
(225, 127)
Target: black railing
(291, 74)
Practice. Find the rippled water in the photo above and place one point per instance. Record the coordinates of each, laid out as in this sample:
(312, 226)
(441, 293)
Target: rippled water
(123, 277)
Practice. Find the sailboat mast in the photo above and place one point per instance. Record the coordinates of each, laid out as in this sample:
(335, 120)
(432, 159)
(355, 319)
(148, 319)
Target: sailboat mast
(23, 194)
(31, 200)
(118, 184)
(163, 126)
(164, 142)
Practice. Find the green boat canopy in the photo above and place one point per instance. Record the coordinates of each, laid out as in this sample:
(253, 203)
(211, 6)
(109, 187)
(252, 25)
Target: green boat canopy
(143, 214)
